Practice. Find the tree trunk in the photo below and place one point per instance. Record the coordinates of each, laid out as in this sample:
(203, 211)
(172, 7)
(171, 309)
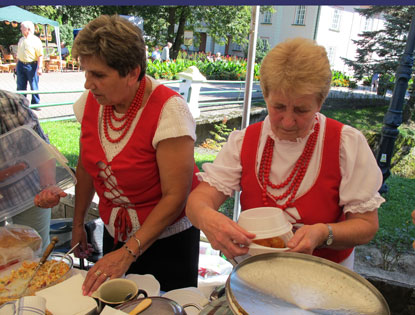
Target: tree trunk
(180, 31)
(172, 22)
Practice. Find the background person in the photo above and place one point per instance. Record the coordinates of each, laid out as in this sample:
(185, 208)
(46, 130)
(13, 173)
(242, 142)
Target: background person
(136, 152)
(155, 55)
(321, 173)
(15, 112)
(375, 82)
(30, 58)
(165, 54)
(64, 51)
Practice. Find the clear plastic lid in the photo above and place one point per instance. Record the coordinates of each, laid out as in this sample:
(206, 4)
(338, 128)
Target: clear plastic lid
(27, 165)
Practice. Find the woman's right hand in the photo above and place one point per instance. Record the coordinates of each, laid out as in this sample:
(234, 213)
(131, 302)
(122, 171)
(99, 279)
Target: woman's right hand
(413, 217)
(226, 235)
(79, 236)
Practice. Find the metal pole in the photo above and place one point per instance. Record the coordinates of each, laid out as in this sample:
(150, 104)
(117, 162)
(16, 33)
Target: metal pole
(250, 66)
(393, 117)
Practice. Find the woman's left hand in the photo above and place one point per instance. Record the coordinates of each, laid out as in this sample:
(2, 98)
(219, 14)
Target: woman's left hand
(307, 238)
(112, 265)
(49, 197)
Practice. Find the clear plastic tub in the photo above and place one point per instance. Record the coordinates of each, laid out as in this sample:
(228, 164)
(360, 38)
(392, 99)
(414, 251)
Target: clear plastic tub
(27, 162)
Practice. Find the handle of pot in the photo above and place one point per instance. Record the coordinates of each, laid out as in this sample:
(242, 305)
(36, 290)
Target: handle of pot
(143, 292)
(192, 305)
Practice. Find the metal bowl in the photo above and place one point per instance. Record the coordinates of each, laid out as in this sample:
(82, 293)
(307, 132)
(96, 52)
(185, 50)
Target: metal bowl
(294, 283)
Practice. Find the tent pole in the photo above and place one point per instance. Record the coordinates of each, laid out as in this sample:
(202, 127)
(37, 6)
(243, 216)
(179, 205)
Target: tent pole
(250, 67)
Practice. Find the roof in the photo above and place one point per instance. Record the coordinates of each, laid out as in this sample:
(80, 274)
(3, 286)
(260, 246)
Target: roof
(14, 13)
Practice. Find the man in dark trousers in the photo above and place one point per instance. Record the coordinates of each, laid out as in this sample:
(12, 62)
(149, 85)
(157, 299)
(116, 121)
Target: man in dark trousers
(30, 58)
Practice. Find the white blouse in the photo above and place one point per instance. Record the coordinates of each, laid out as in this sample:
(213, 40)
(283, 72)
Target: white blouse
(361, 176)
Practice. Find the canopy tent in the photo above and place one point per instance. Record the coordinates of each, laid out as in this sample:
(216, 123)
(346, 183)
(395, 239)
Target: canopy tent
(14, 13)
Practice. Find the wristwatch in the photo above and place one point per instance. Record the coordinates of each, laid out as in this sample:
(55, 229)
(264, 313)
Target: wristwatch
(330, 238)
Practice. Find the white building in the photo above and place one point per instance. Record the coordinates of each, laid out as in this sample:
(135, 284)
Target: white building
(333, 27)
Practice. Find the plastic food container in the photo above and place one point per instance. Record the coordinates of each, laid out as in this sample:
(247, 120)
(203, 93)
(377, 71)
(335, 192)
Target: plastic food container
(266, 222)
(25, 158)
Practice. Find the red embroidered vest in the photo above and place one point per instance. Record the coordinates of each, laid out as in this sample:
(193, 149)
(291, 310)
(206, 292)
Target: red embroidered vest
(320, 204)
(135, 167)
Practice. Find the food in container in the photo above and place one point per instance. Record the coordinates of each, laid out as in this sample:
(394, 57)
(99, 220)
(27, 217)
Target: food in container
(13, 280)
(274, 242)
(271, 227)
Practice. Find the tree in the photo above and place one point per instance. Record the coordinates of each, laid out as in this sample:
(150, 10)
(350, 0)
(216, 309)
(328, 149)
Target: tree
(163, 23)
(380, 51)
(220, 22)
(261, 50)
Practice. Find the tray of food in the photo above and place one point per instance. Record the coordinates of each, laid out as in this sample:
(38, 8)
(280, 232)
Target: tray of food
(15, 279)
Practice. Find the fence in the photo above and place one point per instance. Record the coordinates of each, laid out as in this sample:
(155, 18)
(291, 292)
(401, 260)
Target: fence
(214, 94)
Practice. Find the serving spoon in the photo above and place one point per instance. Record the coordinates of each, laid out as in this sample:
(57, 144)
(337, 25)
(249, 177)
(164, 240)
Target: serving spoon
(141, 306)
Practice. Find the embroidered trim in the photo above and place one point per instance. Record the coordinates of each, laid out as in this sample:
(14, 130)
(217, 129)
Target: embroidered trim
(214, 183)
(370, 205)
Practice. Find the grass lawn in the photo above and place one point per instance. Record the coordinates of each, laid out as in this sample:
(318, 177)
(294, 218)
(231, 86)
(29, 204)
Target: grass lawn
(396, 228)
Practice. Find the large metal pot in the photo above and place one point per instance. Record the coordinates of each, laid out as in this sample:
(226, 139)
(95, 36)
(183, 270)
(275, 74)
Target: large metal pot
(294, 283)
(159, 306)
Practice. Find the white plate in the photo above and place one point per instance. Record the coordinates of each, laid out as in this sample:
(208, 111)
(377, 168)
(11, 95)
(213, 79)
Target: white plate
(186, 296)
(146, 282)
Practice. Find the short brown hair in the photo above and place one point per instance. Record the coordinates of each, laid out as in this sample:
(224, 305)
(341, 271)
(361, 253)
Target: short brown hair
(116, 41)
(298, 67)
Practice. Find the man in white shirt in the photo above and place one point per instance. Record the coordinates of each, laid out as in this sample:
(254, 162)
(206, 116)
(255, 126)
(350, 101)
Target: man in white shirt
(165, 54)
(30, 57)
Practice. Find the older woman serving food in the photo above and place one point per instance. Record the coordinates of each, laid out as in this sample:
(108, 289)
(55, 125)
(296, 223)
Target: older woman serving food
(321, 173)
(137, 139)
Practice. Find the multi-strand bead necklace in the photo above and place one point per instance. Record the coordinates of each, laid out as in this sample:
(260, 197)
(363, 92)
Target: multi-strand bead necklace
(127, 118)
(296, 176)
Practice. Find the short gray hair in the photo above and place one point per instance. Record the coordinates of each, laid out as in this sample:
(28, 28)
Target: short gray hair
(29, 25)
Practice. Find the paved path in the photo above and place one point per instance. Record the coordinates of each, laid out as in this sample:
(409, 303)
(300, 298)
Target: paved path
(52, 81)
(74, 80)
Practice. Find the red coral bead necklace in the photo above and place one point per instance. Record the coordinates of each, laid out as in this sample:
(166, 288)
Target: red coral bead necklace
(296, 176)
(127, 118)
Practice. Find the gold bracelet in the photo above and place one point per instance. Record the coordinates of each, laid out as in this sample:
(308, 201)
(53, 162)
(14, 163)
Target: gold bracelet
(130, 252)
(139, 245)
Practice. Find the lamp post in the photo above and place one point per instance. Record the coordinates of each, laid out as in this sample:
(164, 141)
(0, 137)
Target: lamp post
(393, 117)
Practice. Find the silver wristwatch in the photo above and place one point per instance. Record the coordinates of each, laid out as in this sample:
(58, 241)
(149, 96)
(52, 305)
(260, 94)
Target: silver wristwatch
(330, 238)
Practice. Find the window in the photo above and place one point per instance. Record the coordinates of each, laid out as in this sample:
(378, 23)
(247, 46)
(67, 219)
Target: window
(267, 17)
(299, 15)
(331, 54)
(265, 44)
(367, 25)
(335, 22)
(237, 47)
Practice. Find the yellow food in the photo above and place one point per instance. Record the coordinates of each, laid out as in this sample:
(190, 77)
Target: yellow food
(13, 285)
(274, 242)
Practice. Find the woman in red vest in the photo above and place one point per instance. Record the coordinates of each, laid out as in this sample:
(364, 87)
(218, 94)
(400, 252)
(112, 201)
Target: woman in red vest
(321, 173)
(136, 153)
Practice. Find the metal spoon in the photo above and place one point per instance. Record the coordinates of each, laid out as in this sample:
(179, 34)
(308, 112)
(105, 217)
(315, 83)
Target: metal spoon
(63, 257)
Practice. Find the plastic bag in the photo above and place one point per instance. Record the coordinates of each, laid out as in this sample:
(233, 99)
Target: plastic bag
(18, 243)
